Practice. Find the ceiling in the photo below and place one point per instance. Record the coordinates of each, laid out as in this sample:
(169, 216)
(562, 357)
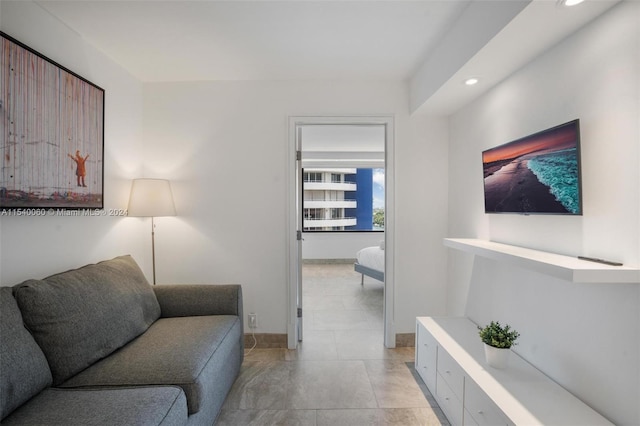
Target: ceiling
(343, 138)
(342, 145)
(183, 40)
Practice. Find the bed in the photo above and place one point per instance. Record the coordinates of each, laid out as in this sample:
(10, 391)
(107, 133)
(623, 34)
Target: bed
(370, 262)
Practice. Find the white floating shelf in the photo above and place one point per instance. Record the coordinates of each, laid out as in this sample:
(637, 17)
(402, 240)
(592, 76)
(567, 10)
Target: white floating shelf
(556, 265)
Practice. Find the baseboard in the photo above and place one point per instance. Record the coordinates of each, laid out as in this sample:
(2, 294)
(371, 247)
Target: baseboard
(405, 340)
(328, 261)
(279, 341)
(266, 341)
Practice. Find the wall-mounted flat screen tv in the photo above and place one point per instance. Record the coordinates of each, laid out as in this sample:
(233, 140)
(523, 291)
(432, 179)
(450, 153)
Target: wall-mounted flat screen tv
(537, 174)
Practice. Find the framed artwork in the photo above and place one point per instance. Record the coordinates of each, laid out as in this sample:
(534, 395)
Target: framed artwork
(52, 130)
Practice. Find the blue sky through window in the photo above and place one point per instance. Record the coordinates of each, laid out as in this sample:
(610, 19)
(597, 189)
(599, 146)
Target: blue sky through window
(378, 188)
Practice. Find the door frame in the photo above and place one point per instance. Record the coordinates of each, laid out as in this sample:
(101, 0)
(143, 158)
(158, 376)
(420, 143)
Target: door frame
(293, 260)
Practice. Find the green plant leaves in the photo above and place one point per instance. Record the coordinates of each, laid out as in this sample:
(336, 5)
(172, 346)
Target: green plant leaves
(497, 336)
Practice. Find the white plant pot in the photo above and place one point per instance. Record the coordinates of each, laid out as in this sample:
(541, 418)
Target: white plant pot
(496, 357)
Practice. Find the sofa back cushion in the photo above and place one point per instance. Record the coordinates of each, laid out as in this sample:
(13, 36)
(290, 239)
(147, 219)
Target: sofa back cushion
(23, 368)
(79, 317)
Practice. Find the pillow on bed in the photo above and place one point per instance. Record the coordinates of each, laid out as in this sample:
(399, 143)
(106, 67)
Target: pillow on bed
(382, 245)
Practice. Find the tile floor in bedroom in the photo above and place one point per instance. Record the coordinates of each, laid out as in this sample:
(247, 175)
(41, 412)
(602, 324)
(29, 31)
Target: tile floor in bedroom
(341, 373)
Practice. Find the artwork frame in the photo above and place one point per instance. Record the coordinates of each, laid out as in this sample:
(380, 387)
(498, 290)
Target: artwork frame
(538, 174)
(52, 130)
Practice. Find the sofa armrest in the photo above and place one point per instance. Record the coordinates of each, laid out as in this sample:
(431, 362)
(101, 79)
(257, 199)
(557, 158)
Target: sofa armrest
(199, 299)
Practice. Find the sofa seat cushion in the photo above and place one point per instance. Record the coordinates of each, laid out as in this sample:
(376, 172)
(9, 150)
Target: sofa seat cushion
(24, 371)
(173, 351)
(80, 316)
(143, 406)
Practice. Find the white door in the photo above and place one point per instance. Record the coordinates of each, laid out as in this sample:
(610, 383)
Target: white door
(294, 236)
(299, 224)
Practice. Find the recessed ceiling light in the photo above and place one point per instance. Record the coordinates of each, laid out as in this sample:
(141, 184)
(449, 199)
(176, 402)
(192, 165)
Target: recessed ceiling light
(571, 2)
(471, 81)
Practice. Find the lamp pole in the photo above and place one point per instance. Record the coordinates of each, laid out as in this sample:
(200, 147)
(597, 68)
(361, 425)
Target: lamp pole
(153, 249)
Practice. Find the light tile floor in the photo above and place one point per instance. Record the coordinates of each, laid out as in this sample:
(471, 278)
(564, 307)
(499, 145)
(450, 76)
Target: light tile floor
(341, 373)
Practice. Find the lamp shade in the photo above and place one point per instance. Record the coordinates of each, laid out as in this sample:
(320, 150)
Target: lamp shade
(151, 198)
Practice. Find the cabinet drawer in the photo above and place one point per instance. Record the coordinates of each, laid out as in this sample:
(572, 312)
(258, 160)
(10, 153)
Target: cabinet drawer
(448, 401)
(468, 419)
(426, 352)
(451, 372)
(484, 411)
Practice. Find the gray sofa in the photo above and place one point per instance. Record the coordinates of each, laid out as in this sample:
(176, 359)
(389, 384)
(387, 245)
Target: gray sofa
(99, 346)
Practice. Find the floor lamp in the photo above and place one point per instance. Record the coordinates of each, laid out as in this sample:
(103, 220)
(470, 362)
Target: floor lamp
(151, 198)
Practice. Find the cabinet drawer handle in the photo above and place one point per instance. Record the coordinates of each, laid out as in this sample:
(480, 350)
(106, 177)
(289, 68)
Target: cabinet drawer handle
(480, 412)
(447, 371)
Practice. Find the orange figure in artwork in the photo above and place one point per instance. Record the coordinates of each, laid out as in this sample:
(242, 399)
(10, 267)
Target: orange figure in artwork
(81, 170)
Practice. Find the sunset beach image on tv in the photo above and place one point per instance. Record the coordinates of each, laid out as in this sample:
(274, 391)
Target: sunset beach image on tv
(538, 174)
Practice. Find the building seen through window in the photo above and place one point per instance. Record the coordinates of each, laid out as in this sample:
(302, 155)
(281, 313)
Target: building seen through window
(343, 199)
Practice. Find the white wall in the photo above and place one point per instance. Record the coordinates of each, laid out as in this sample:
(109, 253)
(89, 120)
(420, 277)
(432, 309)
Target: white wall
(335, 245)
(421, 221)
(37, 247)
(225, 145)
(585, 336)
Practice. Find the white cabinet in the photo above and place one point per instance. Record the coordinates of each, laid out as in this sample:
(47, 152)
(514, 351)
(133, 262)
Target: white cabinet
(450, 403)
(451, 372)
(426, 347)
(479, 407)
(450, 360)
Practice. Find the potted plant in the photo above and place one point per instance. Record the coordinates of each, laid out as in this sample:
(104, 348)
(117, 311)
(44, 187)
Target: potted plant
(497, 343)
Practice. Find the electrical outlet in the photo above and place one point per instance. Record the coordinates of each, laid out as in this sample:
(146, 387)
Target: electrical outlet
(253, 321)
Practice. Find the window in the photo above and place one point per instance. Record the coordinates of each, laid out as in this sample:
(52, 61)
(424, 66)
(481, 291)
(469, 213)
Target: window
(314, 214)
(312, 177)
(345, 200)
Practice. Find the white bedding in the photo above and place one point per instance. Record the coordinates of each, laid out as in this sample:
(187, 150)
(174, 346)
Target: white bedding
(372, 257)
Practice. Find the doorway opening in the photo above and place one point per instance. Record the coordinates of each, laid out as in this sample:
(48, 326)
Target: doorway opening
(330, 220)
